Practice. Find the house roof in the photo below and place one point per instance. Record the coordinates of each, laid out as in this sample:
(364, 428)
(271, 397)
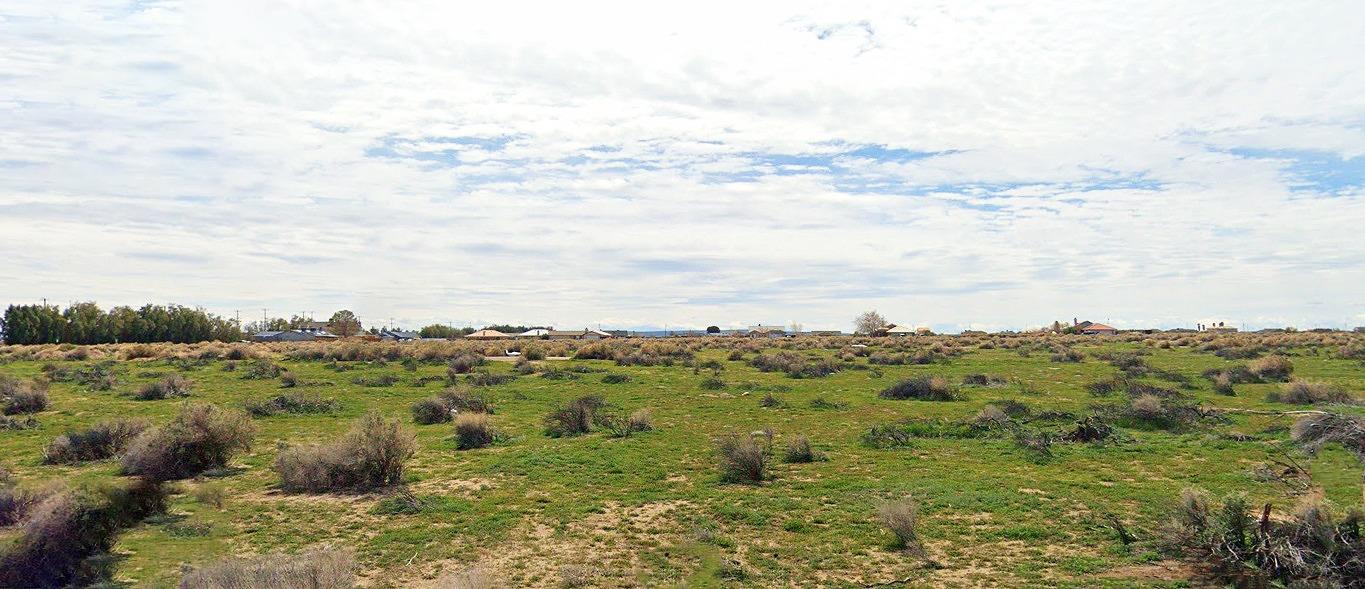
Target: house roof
(266, 333)
(901, 329)
(1098, 327)
(487, 334)
(400, 334)
(596, 332)
(537, 332)
(767, 328)
(554, 332)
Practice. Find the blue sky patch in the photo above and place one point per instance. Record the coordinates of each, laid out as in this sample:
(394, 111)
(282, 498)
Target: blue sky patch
(1311, 170)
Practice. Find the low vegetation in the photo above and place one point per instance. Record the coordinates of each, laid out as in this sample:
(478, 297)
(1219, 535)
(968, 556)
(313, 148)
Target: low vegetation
(103, 440)
(201, 437)
(318, 568)
(370, 456)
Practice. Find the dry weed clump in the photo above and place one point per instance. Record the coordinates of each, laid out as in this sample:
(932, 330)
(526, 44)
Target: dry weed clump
(922, 388)
(574, 418)
(442, 407)
(200, 438)
(1302, 392)
(318, 568)
(172, 386)
(474, 430)
(742, 459)
(473, 578)
(901, 517)
(799, 450)
(299, 403)
(1271, 368)
(371, 455)
(795, 365)
(21, 398)
(102, 440)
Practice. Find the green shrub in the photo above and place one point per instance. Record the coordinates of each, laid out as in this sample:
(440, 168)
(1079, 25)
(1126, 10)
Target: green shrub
(923, 388)
(371, 455)
(799, 450)
(298, 403)
(201, 437)
(103, 440)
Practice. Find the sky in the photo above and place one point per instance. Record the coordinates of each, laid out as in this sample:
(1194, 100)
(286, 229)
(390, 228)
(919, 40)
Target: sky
(983, 165)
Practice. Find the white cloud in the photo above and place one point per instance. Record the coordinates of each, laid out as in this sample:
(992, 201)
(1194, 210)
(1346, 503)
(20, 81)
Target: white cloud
(632, 164)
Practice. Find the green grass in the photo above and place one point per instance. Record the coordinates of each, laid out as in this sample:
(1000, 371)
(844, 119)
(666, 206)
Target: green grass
(650, 509)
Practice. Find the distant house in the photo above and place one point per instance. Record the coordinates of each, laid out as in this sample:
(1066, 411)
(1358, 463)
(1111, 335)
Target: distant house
(312, 327)
(488, 334)
(284, 336)
(534, 333)
(1098, 329)
(768, 331)
(580, 334)
(1220, 328)
(396, 335)
(901, 331)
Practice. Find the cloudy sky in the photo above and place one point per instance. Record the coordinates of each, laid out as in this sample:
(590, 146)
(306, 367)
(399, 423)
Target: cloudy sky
(992, 165)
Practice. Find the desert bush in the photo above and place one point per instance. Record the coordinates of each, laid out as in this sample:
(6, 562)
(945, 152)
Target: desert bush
(103, 440)
(1302, 392)
(991, 417)
(262, 369)
(616, 378)
(620, 425)
(1067, 355)
(172, 386)
(1314, 431)
(473, 430)
(641, 420)
(472, 578)
(886, 436)
(1036, 443)
(736, 356)
(18, 423)
(212, 494)
(923, 388)
(376, 381)
(488, 379)
(442, 407)
(1153, 412)
(464, 364)
(1246, 547)
(201, 437)
(742, 459)
(799, 450)
(16, 502)
(1271, 368)
(826, 404)
(296, 403)
(66, 534)
(18, 398)
(1090, 429)
(901, 517)
(712, 383)
(983, 380)
(573, 418)
(371, 455)
(794, 364)
(289, 380)
(319, 568)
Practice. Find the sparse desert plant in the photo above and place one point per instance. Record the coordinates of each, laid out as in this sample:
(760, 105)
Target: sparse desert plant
(641, 420)
(170, 387)
(799, 450)
(201, 437)
(19, 398)
(1271, 368)
(573, 418)
(488, 379)
(1302, 392)
(289, 380)
(17, 501)
(901, 517)
(103, 440)
(712, 383)
(295, 402)
(1038, 444)
(1067, 355)
(769, 400)
(742, 459)
(212, 494)
(1090, 429)
(826, 404)
(443, 407)
(376, 381)
(473, 430)
(477, 577)
(574, 576)
(992, 417)
(615, 378)
(262, 369)
(464, 364)
(319, 568)
(18, 423)
(371, 455)
(983, 380)
(923, 388)
(60, 536)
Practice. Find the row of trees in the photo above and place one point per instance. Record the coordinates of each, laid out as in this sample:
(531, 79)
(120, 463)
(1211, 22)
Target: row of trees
(86, 323)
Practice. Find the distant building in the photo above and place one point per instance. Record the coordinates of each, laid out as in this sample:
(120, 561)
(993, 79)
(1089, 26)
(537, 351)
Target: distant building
(588, 334)
(900, 331)
(284, 336)
(1098, 329)
(488, 334)
(534, 333)
(396, 335)
(768, 331)
(1220, 328)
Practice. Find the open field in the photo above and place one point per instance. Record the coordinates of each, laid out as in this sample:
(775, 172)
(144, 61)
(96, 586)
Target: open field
(651, 509)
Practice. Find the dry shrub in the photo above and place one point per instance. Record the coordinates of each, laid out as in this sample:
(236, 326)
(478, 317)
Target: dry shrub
(262, 369)
(170, 387)
(103, 440)
(795, 365)
(1302, 392)
(319, 568)
(641, 420)
(620, 425)
(923, 388)
(296, 403)
(62, 539)
(23, 397)
(742, 459)
(1314, 431)
(991, 417)
(473, 430)
(16, 502)
(473, 578)
(371, 455)
(574, 418)
(1271, 368)
(1248, 547)
(1091, 428)
(18, 423)
(201, 437)
(212, 494)
(615, 378)
(983, 380)
(712, 383)
(799, 450)
(464, 364)
(442, 407)
(901, 517)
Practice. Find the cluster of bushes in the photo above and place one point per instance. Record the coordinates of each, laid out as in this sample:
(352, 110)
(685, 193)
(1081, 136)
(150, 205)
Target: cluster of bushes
(262, 369)
(443, 407)
(795, 365)
(464, 364)
(377, 381)
(371, 455)
(294, 402)
(888, 359)
(619, 424)
(1302, 392)
(170, 387)
(922, 388)
(580, 415)
(65, 539)
(1249, 547)
(99, 376)
(199, 438)
(103, 440)
(983, 380)
(22, 398)
(992, 422)
(1149, 411)
(744, 459)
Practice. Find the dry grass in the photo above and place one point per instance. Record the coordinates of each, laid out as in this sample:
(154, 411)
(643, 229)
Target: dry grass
(1302, 392)
(319, 568)
(371, 455)
(901, 517)
(103, 440)
(742, 459)
(473, 430)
